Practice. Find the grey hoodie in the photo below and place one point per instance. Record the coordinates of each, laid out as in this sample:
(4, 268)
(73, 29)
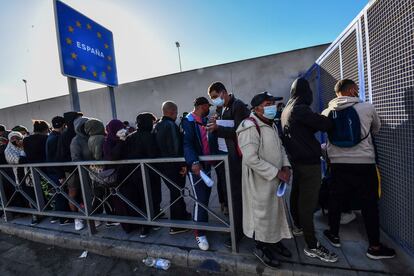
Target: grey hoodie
(364, 152)
(79, 149)
(95, 129)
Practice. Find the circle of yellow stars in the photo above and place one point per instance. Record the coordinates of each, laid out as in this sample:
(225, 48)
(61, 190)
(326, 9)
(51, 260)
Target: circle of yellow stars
(74, 56)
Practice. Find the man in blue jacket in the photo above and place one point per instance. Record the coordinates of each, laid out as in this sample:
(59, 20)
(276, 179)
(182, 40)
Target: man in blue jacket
(198, 141)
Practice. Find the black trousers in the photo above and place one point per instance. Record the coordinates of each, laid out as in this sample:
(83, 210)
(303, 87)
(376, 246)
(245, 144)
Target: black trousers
(235, 165)
(179, 209)
(304, 199)
(221, 184)
(358, 181)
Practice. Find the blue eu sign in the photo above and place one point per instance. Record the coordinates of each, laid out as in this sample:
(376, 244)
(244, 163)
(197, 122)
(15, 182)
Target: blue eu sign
(86, 48)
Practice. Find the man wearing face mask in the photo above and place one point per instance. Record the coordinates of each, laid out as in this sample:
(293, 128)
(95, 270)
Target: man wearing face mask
(235, 111)
(197, 142)
(265, 165)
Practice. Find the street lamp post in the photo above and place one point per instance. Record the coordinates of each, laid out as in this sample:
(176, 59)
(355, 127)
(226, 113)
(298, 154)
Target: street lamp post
(25, 85)
(179, 55)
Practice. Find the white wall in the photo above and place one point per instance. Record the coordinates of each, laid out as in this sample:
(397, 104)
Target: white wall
(273, 73)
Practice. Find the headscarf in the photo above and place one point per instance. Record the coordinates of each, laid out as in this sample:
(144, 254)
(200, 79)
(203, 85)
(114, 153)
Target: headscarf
(111, 139)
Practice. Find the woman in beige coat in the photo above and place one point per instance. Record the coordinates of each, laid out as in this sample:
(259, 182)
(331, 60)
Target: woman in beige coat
(265, 164)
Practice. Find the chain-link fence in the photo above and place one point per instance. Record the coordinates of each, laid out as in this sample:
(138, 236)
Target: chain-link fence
(377, 51)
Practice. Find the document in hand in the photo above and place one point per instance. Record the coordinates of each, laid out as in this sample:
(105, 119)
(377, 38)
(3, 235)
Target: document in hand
(209, 182)
(221, 141)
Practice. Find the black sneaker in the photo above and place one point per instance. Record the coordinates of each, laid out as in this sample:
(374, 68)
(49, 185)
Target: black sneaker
(266, 257)
(281, 249)
(175, 231)
(64, 222)
(333, 240)
(54, 220)
(144, 232)
(382, 253)
(35, 220)
(321, 253)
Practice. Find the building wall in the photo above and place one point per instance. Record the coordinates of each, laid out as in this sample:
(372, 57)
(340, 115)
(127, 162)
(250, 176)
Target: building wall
(273, 73)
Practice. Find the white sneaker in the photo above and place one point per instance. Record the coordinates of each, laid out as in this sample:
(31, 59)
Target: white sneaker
(202, 243)
(79, 224)
(347, 217)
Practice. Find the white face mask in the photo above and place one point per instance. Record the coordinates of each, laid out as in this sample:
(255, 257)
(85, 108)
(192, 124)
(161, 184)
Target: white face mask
(218, 101)
(269, 112)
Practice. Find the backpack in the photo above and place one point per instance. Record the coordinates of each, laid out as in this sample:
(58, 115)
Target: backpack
(346, 132)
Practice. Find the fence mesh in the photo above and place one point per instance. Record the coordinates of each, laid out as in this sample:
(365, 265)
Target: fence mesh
(390, 31)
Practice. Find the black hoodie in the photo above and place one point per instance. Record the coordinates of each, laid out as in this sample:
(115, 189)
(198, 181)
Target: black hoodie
(63, 148)
(300, 124)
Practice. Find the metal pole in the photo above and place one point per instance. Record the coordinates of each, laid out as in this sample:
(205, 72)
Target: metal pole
(179, 54)
(27, 95)
(112, 99)
(73, 94)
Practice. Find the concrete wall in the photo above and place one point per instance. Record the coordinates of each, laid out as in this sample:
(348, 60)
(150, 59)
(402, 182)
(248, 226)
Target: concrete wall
(273, 73)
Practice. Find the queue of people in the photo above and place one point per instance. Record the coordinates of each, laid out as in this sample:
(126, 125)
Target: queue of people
(267, 149)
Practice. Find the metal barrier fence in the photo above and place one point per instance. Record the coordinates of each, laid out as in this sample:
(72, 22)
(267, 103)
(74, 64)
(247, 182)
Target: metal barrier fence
(376, 50)
(35, 203)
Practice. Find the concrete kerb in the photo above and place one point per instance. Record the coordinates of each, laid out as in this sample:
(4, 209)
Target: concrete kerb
(201, 260)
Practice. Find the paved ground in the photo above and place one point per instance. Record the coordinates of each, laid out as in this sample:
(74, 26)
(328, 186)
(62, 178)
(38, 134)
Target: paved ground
(20, 257)
(351, 256)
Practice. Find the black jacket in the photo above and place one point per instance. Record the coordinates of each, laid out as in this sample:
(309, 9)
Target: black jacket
(51, 154)
(300, 124)
(169, 140)
(235, 110)
(35, 148)
(139, 145)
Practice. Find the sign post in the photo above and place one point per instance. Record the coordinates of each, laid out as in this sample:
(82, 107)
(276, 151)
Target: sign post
(86, 51)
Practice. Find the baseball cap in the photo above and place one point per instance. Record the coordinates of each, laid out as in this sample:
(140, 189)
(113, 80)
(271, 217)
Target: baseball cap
(58, 122)
(200, 101)
(263, 96)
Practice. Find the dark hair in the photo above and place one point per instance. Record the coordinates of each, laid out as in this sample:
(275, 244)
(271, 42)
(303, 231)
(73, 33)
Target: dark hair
(2, 128)
(126, 123)
(344, 85)
(216, 86)
(40, 126)
(145, 121)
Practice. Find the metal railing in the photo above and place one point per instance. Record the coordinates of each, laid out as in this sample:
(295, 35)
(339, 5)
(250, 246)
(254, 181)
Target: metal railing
(36, 204)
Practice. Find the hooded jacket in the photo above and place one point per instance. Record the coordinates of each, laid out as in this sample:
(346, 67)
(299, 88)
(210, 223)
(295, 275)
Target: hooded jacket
(363, 152)
(95, 129)
(79, 149)
(65, 139)
(300, 123)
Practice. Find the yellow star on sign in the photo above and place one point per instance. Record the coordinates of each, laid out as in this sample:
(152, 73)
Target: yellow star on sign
(74, 56)
(70, 29)
(99, 34)
(106, 46)
(88, 26)
(109, 58)
(83, 67)
(68, 40)
(78, 24)
(103, 74)
(109, 68)
(94, 74)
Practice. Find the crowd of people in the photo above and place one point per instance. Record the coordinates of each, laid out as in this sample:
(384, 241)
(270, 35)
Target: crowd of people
(266, 148)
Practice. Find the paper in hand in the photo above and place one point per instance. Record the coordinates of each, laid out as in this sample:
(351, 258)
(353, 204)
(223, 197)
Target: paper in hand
(209, 182)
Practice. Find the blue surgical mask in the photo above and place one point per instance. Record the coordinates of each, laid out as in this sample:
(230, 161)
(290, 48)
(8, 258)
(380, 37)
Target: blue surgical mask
(269, 112)
(218, 101)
